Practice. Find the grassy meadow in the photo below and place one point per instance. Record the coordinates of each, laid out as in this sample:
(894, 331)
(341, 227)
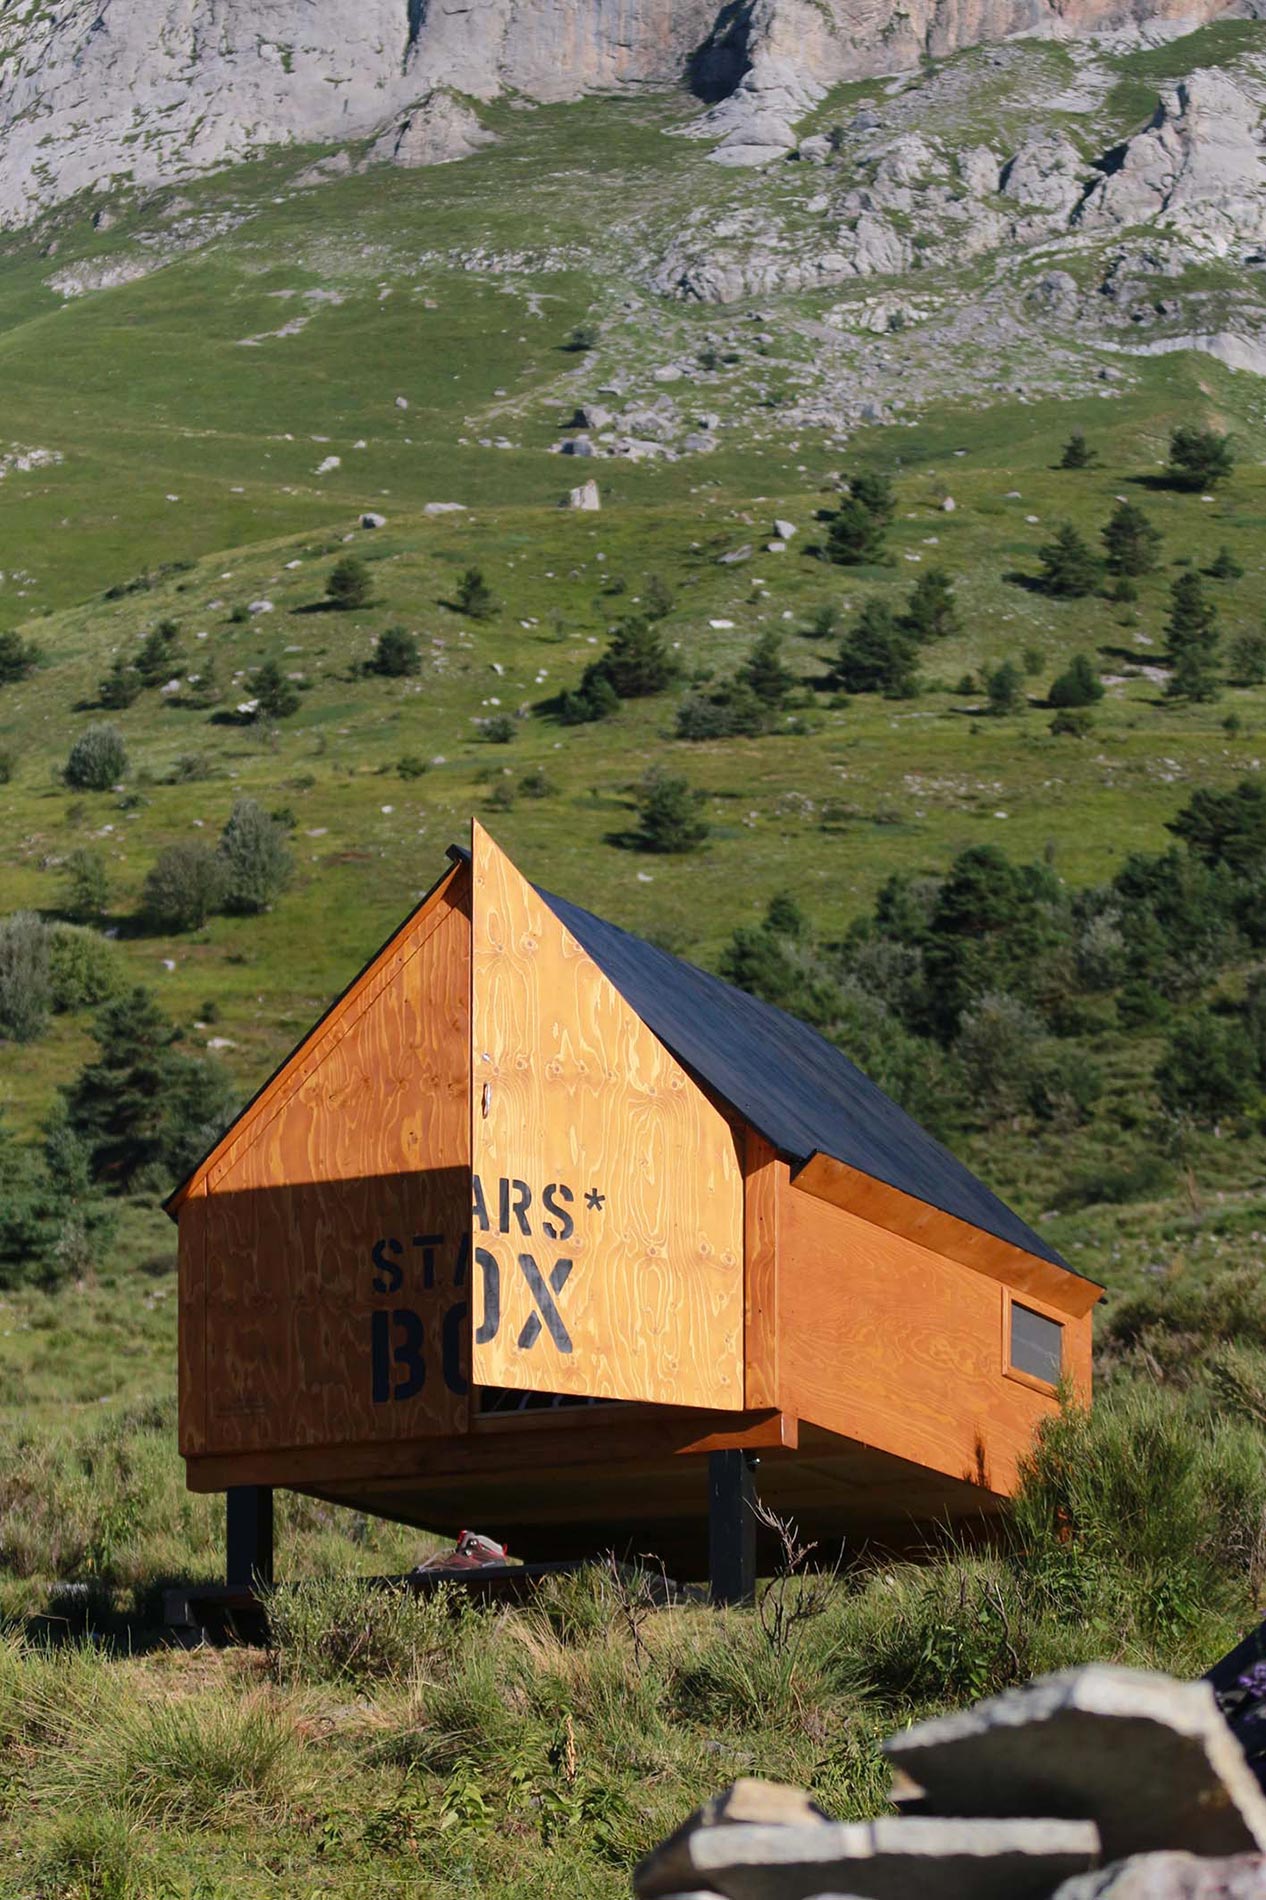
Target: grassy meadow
(184, 422)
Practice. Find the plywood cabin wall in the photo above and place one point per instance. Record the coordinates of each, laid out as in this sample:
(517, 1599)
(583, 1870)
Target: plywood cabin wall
(324, 1247)
(610, 1209)
(893, 1345)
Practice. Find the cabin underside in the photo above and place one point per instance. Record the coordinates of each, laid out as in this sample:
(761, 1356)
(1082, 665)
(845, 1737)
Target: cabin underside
(573, 1488)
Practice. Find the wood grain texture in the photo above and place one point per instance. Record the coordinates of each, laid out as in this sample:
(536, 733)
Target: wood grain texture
(535, 1446)
(570, 1088)
(891, 1344)
(337, 1216)
(191, 1322)
(834, 1181)
(761, 1184)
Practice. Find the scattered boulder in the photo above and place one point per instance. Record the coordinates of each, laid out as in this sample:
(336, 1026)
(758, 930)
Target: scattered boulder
(1047, 172)
(586, 497)
(438, 130)
(1151, 1761)
(444, 508)
(749, 1802)
(1171, 1877)
(373, 521)
(784, 530)
(888, 1859)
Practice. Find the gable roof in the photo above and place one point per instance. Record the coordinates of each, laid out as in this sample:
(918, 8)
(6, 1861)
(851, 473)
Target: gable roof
(795, 1088)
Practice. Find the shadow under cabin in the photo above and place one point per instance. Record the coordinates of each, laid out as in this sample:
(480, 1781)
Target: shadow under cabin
(545, 1231)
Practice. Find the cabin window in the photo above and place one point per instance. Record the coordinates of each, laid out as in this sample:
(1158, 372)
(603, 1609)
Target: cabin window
(1037, 1344)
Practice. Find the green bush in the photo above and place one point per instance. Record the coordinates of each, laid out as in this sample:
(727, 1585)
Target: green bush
(1078, 685)
(346, 1629)
(254, 858)
(97, 760)
(18, 657)
(498, 730)
(86, 883)
(26, 995)
(410, 766)
(186, 885)
(1140, 1509)
(1199, 458)
(83, 967)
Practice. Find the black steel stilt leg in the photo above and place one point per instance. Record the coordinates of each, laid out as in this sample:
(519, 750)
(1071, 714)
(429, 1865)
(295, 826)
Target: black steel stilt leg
(249, 1536)
(731, 1528)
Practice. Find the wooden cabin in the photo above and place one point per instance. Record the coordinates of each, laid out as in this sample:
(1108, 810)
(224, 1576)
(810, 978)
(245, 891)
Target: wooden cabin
(538, 1215)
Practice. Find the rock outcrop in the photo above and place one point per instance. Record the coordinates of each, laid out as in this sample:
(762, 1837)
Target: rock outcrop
(95, 94)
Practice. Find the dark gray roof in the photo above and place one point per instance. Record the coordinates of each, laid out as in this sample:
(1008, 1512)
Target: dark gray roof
(796, 1088)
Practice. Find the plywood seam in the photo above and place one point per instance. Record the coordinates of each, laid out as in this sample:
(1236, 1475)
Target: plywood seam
(376, 980)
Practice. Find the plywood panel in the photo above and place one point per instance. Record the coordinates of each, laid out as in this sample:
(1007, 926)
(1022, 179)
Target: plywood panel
(337, 1222)
(191, 1347)
(888, 1343)
(946, 1234)
(609, 1203)
(762, 1173)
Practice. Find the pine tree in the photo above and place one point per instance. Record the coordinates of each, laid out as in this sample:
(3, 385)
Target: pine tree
(1131, 540)
(1192, 629)
(1077, 453)
(1224, 566)
(1068, 566)
(638, 661)
(18, 657)
(670, 818)
(931, 613)
(120, 687)
(1199, 458)
(474, 597)
(1078, 685)
(855, 537)
(1005, 688)
(397, 654)
(877, 655)
(1248, 657)
(117, 1102)
(348, 586)
(156, 661)
(764, 673)
(276, 697)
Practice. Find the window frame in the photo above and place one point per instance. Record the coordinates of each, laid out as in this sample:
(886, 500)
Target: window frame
(1049, 1387)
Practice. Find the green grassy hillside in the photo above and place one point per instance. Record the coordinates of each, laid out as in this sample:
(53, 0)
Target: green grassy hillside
(209, 435)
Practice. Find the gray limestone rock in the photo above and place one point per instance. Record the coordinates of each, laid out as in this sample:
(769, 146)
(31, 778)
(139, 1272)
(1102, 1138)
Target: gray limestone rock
(436, 131)
(1047, 172)
(1149, 1760)
(1198, 167)
(901, 1859)
(1171, 1877)
(587, 497)
(747, 1802)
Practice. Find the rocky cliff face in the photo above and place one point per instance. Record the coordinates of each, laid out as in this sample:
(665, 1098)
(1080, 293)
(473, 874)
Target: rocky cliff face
(99, 93)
